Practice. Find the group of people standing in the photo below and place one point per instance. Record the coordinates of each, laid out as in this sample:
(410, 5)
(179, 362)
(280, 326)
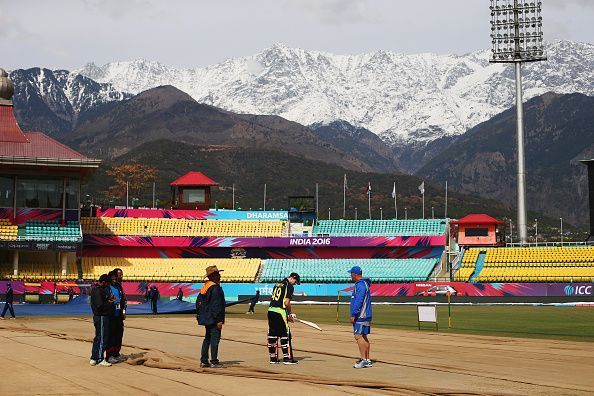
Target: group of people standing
(210, 313)
(108, 302)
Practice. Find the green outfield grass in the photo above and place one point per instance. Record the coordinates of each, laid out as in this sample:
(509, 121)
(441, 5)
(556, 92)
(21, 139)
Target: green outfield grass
(561, 323)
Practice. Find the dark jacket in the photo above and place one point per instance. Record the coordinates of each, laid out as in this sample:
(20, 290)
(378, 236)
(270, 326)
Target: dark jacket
(154, 295)
(210, 304)
(99, 301)
(9, 295)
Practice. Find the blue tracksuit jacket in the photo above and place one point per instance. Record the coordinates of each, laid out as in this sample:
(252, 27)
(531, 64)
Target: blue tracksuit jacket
(361, 301)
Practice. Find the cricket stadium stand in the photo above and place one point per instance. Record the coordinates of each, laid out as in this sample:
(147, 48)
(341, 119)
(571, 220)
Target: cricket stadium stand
(38, 230)
(182, 227)
(528, 264)
(336, 270)
(8, 231)
(31, 270)
(380, 227)
(167, 270)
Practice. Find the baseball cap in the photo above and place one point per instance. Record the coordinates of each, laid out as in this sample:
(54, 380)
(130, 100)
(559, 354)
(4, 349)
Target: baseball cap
(295, 276)
(356, 270)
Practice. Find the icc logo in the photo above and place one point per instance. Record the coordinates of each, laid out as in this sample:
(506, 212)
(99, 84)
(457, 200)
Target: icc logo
(569, 290)
(582, 290)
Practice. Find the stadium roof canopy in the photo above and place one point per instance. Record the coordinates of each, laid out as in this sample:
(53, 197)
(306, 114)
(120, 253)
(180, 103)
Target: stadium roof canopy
(477, 219)
(194, 179)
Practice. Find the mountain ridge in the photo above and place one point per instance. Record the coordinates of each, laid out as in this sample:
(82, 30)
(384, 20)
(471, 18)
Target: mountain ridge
(167, 113)
(402, 98)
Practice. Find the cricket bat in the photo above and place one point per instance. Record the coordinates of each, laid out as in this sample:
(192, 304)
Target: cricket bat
(308, 323)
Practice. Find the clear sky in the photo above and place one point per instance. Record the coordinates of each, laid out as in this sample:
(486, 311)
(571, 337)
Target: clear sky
(69, 33)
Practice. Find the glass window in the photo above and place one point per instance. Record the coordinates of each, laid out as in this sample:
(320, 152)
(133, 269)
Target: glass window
(6, 191)
(476, 232)
(72, 193)
(39, 193)
(194, 196)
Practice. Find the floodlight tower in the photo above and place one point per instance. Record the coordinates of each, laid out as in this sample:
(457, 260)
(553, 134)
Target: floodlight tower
(516, 35)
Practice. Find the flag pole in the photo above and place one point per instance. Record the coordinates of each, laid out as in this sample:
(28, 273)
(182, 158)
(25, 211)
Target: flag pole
(369, 199)
(446, 200)
(395, 204)
(264, 196)
(422, 190)
(317, 199)
(344, 196)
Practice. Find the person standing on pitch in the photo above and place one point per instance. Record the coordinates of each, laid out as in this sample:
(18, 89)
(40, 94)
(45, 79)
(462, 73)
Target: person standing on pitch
(102, 304)
(210, 313)
(9, 299)
(180, 294)
(116, 321)
(154, 296)
(253, 303)
(279, 316)
(361, 315)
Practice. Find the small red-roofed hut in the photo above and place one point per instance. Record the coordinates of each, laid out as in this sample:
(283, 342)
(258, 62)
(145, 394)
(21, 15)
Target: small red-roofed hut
(192, 191)
(479, 230)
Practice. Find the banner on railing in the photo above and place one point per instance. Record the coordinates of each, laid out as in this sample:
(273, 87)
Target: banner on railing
(211, 242)
(41, 246)
(195, 214)
(233, 290)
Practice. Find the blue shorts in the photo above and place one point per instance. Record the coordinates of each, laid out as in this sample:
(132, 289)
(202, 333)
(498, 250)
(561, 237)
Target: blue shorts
(359, 328)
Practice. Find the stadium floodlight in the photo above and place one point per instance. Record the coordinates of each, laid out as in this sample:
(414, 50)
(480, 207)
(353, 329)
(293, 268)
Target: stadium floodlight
(516, 35)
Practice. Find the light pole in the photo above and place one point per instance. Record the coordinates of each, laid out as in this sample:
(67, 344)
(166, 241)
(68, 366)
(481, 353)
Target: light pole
(536, 231)
(516, 36)
(328, 213)
(432, 213)
(405, 213)
(561, 218)
(355, 213)
(381, 214)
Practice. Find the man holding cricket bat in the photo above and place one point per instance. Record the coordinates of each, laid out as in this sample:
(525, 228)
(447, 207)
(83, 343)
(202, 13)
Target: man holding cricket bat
(361, 315)
(279, 316)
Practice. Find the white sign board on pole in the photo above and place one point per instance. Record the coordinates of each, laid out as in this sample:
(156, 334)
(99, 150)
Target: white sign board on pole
(428, 314)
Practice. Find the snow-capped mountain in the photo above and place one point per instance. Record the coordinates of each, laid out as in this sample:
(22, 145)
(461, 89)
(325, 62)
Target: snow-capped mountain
(402, 98)
(56, 101)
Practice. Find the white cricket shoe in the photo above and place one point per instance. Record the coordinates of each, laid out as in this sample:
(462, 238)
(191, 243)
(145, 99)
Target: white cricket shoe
(361, 364)
(93, 362)
(104, 363)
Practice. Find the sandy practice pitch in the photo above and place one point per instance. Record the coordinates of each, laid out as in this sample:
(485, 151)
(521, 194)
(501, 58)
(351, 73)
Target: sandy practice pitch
(50, 356)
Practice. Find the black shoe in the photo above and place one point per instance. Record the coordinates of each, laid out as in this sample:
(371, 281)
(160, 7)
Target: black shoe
(289, 361)
(274, 361)
(204, 365)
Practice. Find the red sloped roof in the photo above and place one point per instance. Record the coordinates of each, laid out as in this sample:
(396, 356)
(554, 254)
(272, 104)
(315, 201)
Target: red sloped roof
(194, 179)
(9, 129)
(477, 219)
(39, 145)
